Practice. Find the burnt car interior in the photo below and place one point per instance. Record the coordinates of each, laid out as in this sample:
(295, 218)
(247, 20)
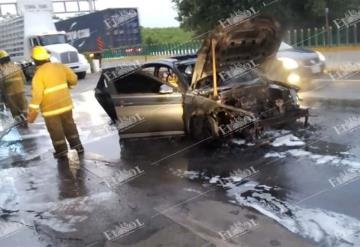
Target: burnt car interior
(138, 82)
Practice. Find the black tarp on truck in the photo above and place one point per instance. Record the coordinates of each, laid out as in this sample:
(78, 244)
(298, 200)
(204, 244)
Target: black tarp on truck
(110, 28)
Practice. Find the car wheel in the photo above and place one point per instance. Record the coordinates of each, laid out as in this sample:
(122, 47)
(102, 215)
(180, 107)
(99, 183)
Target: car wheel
(81, 75)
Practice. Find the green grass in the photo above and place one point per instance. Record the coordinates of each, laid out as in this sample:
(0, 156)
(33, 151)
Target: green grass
(164, 35)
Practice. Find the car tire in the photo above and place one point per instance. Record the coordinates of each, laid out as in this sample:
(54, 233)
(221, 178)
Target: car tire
(200, 128)
(81, 75)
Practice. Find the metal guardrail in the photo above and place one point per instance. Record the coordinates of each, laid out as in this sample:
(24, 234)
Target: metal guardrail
(311, 37)
(320, 37)
(154, 50)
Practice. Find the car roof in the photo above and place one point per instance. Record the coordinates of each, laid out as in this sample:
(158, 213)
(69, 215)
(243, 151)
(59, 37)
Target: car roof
(171, 61)
(188, 61)
(185, 57)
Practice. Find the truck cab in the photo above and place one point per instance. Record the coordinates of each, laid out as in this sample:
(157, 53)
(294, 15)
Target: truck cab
(61, 52)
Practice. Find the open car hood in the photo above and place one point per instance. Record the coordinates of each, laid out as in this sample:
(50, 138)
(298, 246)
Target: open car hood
(252, 40)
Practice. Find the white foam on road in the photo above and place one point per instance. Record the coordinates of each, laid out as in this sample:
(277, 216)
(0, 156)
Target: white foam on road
(317, 224)
(288, 140)
(317, 159)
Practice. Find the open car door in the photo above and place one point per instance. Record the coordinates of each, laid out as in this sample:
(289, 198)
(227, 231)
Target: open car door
(145, 106)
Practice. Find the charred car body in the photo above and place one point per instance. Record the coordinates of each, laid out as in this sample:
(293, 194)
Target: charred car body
(219, 93)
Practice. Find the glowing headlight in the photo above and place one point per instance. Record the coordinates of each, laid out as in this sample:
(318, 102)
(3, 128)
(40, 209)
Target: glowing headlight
(294, 79)
(289, 63)
(321, 56)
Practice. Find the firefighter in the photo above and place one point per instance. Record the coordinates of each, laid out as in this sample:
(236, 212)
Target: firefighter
(12, 86)
(51, 96)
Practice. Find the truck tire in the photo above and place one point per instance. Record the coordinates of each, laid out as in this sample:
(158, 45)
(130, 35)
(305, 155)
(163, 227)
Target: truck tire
(81, 75)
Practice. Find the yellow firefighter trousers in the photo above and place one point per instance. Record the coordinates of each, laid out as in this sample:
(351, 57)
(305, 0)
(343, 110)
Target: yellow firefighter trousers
(17, 104)
(61, 128)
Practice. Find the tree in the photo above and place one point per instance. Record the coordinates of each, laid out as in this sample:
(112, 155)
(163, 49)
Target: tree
(203, 15)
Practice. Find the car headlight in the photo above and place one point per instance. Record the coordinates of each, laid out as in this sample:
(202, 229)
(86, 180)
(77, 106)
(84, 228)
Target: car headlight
(294, 79)
(321, 56)
(289, 63)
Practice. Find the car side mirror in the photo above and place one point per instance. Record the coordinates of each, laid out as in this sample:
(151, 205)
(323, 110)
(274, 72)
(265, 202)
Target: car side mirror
(165, 89)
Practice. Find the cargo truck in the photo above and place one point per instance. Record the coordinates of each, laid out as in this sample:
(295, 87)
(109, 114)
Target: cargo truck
(106, 29)
(35, 26)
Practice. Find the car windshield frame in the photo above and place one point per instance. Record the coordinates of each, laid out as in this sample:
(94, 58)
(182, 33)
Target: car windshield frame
(248, 77)
(53, 39)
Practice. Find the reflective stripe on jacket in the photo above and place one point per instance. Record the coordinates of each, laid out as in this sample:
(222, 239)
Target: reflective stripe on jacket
(50, 89)
(12, 78)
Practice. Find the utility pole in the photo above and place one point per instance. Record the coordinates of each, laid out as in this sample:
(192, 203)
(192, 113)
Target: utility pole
(92, 6)
(327, 24)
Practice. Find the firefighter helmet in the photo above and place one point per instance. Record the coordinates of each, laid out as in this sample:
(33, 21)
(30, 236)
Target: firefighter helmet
(39, 53)
(4, 57)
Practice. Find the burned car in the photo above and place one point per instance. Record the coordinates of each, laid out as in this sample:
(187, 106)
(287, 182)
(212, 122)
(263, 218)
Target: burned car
(216, 94)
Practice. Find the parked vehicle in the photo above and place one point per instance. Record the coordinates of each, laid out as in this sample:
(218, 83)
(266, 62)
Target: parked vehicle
(35, 26)
(110, 28)
(189, 96)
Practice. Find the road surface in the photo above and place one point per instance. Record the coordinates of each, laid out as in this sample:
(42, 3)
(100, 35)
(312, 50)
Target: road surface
(300, 188)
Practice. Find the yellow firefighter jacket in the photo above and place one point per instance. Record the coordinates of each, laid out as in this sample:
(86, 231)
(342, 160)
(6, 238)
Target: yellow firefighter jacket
(12, 79)
(50, 89)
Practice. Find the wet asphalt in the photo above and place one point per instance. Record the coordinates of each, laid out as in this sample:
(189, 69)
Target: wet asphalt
(299, 188)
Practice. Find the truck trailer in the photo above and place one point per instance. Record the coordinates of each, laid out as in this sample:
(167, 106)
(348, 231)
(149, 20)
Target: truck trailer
(106, 29)
(35, 27)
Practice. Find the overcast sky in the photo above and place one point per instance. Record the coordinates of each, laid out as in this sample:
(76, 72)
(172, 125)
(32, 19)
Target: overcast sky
(153, 13)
